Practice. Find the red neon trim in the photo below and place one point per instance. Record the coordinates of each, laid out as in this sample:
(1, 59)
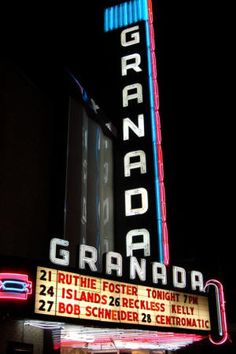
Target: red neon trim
(150, 12)
(217, 284)
(158, 127)
(154, 67)
(162, 193)
(152, 38)
(163, 201)
(156, 92)
(165, 240)
(160, 163)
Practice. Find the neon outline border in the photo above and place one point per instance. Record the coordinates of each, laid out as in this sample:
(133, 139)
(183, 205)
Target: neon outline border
(11, 295)
(221, 311)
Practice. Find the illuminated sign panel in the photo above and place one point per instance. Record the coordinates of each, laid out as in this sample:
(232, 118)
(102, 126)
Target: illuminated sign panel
(67, 294)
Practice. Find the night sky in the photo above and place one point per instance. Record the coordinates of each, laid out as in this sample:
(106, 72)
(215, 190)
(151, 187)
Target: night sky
(194, 62)
(195, 78)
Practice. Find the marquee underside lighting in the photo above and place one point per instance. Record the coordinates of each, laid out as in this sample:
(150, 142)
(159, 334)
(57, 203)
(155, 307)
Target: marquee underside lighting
(116, 339)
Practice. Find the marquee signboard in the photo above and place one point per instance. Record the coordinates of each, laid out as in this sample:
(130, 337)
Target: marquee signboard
(71, 295)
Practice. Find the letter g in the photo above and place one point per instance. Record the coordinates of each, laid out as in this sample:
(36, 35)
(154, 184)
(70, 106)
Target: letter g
(64, 254)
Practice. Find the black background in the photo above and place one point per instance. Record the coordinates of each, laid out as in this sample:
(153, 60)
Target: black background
(195, 75)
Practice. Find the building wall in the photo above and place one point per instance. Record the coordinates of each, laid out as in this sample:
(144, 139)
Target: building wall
(16, 331)
(26, 150)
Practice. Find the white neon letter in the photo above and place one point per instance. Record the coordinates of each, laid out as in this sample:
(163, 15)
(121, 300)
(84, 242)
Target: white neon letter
(134, 61)
(137, 94)
(197, 281)
(110, 265)
(179, 277)
(144, 245)
(136, 268)
(128, 165)
(90, 260)
(138, 130)
(129, 210)
(64, 254)
(159, 273)
(134, 36)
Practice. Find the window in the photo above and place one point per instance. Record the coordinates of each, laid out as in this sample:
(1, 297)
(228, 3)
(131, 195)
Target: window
(89, 183)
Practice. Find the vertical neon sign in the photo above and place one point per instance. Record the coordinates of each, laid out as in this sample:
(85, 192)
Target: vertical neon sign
(119, 16)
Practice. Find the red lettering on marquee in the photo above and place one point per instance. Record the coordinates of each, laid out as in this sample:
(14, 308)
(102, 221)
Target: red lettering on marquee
(70, 294)
(75, 294)
(143, 304)
(69, 309)
(68, 279)
(126, 289)
(183, 322)
(162, 294)
(88, 282)
(77, 280)
(185, 310)
(113, 315)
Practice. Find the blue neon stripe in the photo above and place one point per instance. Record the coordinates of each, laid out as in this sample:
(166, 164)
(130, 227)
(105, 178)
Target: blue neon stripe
(125, 14)
(106, 20)
(130, 11)
(116, 16)
(154, 141)
(144, 9)
(135, 13)
(112, 22)
(139, 8)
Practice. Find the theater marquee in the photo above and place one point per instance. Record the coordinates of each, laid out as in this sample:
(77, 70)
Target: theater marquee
(67, 294)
